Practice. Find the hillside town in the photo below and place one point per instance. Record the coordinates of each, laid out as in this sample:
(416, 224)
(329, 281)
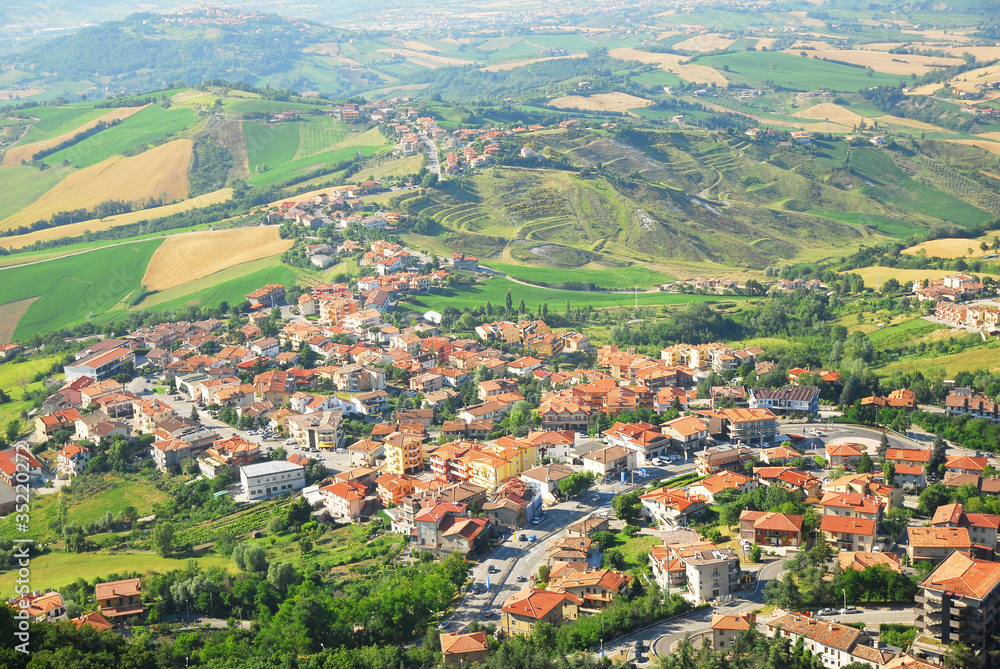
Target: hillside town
(524, 435)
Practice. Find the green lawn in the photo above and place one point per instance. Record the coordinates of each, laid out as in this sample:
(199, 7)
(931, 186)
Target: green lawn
(795, 72)
(151, 124)
(903, 333)
(495, 291)
(21, 185)
(57, 570)
(617, 278)
(270, 146)
(11, 375)
(75, 288)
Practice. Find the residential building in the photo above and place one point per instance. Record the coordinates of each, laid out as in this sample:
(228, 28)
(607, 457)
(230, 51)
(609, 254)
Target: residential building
(461, 650)
(725, 457)
(671, 507)
(724, 480)
(73, 459)
(852, 534)
(344, 499)
(982, 526)
(595, 588)
(320, 429)
(120, 600)
(48, 424)
(267, 479)
(725, 628)
(712, 575)
(859, 561)
(522, 611)
(958, 601)
(41, 606)
(834, 644)
(769, 528)
(447, 528)
(610, 460)
(965, 464)
(743, 426)
(844, 455)
(790, 399)
(934, 544)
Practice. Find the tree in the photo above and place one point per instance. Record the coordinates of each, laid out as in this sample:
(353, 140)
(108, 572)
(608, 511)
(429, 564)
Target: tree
(883, 446)
(614, 559)
(575, 483)
(305, 545)
(508, 301)
(628, 507)
(939, 453)
(194, 413)
(281, 575)
(890, 286)
(543, 574)
(865, 464)
(162, 538)
(755, 553)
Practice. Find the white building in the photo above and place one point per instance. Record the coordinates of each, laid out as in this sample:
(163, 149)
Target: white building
(267, 479)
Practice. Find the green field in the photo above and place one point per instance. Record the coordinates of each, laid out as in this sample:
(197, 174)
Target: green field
(230, 284)
(152, 124)
(795, 72)
(616, 278)
(318, 134)
(54, 121)
(495, 291)
(11, 377)
(889, 226)
(21, 185)
(57, 570)
(270, 146)
(903, 333)
(293, 168)
(75, 288)
(892, 185)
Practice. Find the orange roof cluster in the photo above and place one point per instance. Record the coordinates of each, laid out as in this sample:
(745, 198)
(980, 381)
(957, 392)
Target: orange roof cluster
(472, 642)
(964, 576)
(536, 603)
(939, 537)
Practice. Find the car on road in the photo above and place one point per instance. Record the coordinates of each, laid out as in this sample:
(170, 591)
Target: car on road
(444, 624)
(849, 609)
(492, 569)
(827, 612)
(521, 579)
(536, 520)
(290, 442)
(522, 537)
(531, 538)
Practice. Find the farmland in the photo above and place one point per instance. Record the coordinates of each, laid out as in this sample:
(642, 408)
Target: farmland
(158, 173)
(25, 151)
(495, 291)
(953, 247)
(269, 146)
(22, 185)
(184, 258)
(871, 275)
(75, 288)
(794, 72)
(613, 102)
(621, 278)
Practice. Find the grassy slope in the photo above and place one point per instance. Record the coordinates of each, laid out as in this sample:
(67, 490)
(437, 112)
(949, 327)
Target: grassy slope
(495, 290)
(617, 278)
(21, 185)
(76, 287)
(270, 146)
(11, 375)
(54, 121)
(151, 124)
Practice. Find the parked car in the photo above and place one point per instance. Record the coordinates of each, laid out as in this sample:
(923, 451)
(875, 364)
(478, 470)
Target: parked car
(290, 442)
(521, 579)
(827, 612)
(522, 537)
(536, 520)
(849, 609)
(444, 624)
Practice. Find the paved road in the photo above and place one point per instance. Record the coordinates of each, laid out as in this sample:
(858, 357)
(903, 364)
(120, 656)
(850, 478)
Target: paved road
(432, 156)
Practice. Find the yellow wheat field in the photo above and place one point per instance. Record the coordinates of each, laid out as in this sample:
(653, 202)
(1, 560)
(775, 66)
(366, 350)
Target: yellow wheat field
(96, 225)
(835, 114)
(429, 60)
(699, 74)
(951, 247)
(613, 102)
(502, 67)
(159, 172)
(191, 256)
(885, 62)
(16, 154)
(708, 42)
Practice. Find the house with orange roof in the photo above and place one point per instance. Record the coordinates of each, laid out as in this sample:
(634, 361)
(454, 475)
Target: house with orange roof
(982, 526)
(806, 484)
(41, 606)
(95, 620)
(769, 528)
(595, 588)
(725, 628)
(779, 455)
(345, 499)
(853, 505)
(392, 488)
(844, 455)
(835, 645)
(909, 456)
(965, 464)
(911, 475)
(689, 433)
(958, 602)
(227, 455)
(525, 609)
(73, 459)
(859, 561)
(671, 507)
(120, 600)
(852, 534)
(559, 414)
(742, 426)
(49, 424)
(467, 649)
(448, 528)
(723, 457)
(933, 544)
(724, 480)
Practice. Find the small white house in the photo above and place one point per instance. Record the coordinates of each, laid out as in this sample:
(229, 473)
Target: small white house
(267, 479)
(73, 459)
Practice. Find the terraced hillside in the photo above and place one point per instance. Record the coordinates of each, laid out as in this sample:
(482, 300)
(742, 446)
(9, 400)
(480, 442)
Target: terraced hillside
(675, 197)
